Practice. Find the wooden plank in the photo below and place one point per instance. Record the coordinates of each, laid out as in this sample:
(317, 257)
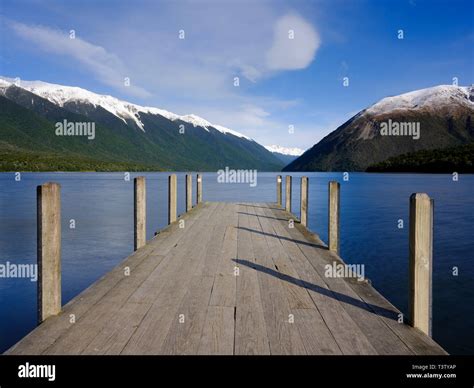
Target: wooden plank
(218, 334)
(281, 302)
(296, 294)
(169, 289)
(224, 291)
(349, 337)
(81, 333)
(186, 329)
(219, 230)
(173, 263)
(283, 334)
(250, 329)
(317, 338)
(383, 340)
(45, 335)
(225, 282)
(116, 334)
(178, 262)
(371, 324)
(48, 332)
(309, 325)
(414, 339)
(185, 332)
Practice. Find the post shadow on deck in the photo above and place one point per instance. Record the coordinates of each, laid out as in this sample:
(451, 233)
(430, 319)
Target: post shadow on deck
(321, 290)
(421, 244)
(420, 260)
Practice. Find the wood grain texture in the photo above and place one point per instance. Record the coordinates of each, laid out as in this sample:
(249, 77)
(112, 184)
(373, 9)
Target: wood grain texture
(237, 279)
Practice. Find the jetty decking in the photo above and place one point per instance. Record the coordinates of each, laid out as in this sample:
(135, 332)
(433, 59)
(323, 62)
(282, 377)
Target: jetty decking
(228, 278)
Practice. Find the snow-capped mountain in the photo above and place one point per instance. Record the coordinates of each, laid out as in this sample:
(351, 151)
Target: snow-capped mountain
(426, 99)
(284, 150)
(443, 116)
(61, 95)
(285, 154)
(127, 136)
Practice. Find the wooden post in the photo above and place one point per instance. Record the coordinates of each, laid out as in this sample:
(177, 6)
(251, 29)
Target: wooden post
(172, 198)
(198, 188)
(139, 195)
(334, 216)
(189, 192)
(304, 202)
(279, 180)
(421, 261)
(288, 194)
(49, 250)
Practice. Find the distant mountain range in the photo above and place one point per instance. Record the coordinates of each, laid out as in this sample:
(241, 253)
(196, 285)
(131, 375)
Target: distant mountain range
(427, 119)
(127, 136)
(133, 137)
(285, 154)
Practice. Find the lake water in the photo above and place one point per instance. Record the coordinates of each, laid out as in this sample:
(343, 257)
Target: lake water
(371, 205)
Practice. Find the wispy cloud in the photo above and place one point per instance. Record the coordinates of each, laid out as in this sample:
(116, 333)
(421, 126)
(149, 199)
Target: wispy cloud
(195, 74)
(105, 67)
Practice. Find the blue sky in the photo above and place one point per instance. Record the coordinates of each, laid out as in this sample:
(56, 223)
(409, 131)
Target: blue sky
(282, 81)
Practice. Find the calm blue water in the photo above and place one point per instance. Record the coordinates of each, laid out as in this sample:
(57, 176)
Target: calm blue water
(371, 205)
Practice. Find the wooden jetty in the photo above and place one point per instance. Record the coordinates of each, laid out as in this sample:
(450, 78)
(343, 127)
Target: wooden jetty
(230, 279)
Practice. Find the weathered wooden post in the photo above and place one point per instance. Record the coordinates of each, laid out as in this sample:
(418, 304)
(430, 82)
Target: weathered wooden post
(421, 261)
(288, 194)
(304, 201)
(199, 188)
(279, 180)
(189, 193)
(49, 250)
(172, 198)
(334, 216)
(139, 195)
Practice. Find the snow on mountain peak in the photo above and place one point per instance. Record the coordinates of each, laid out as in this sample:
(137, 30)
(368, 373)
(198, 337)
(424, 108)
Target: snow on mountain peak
(196, 121)
(429, 98)
(222, 129)
(4, 83)
(285, 150)
(60, 95)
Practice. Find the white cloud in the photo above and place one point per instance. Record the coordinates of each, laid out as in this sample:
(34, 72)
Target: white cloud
(194, 75)
(105, 67)
(295, 53)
